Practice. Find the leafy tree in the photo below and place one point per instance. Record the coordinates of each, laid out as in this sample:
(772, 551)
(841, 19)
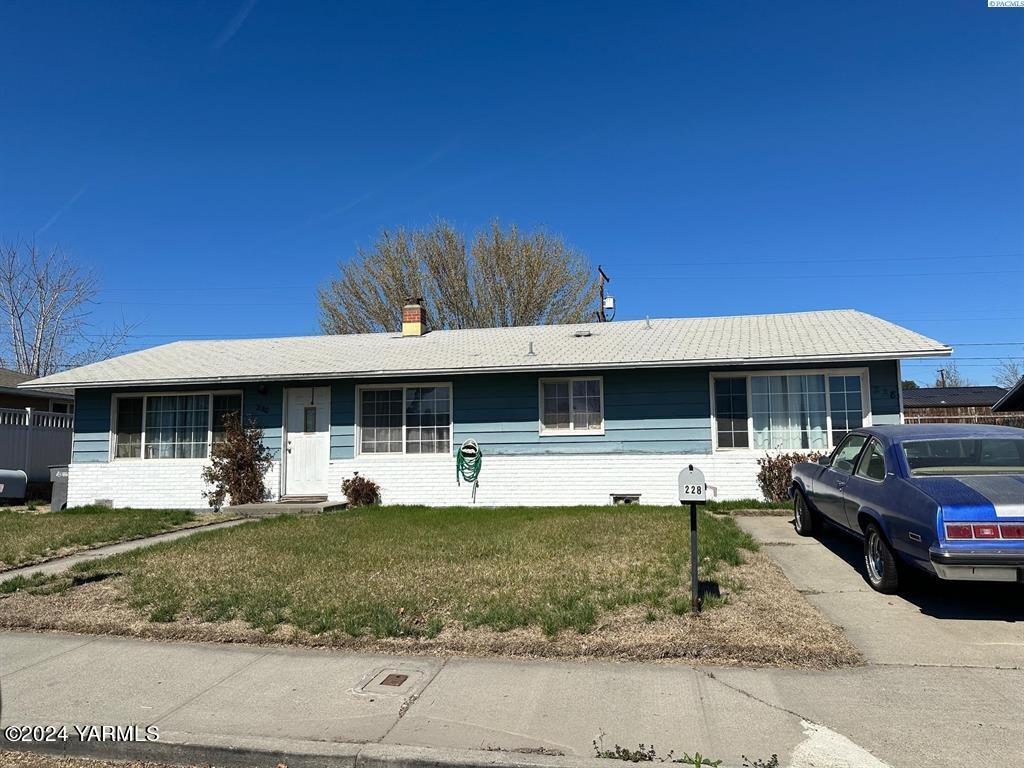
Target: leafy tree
(909, 384)
(238, 464)
(504, 277)
(45, 300)
(1008, 373)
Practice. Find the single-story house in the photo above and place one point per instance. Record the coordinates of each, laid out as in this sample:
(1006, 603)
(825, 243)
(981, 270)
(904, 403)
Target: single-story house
(58, 400)
(950, 404)
(564, 414)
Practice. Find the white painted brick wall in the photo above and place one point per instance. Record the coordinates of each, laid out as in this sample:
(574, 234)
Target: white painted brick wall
(550, 479)
(175, 484)
(532, 480)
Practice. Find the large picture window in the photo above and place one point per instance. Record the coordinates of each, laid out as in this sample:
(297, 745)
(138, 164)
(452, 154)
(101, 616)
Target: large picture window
(811, 410)
(406, 419)
(171, 426)
(571, 406)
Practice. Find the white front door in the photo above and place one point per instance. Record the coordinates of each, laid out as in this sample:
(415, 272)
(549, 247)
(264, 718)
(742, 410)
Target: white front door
(307, 440)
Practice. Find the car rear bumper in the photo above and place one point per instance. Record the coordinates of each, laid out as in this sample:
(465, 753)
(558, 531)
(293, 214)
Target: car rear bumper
(978, 564)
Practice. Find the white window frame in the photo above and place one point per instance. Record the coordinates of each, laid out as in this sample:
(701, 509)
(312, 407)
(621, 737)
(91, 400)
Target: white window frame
(112, 440)
(865, 398)
(404, 386)
(548, 432)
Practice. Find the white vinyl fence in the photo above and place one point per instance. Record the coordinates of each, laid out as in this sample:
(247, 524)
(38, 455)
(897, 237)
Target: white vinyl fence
(33, 440)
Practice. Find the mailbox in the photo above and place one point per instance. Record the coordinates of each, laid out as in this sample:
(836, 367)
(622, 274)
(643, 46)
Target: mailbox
(693, 489)
(13, 483)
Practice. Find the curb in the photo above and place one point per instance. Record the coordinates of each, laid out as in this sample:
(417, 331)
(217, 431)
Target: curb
(227, 752)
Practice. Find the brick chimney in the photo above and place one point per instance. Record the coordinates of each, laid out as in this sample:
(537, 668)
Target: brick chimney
(414, 318)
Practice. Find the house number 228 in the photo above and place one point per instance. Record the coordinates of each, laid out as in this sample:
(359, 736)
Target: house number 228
(695, 490)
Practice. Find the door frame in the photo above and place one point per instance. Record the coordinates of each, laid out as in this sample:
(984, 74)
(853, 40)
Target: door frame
(283, 490)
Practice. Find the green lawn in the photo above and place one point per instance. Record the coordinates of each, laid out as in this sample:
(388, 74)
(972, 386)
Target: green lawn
(413, 571)
(26, 537)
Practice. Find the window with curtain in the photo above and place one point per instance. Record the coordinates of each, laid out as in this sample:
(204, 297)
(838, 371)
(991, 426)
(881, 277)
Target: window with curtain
(810, 411)
(381, 421)
(177, 426)
(414, 419)
(789, 412)
(571, 405)
(731, 413)
(845, 397)
(427, 420)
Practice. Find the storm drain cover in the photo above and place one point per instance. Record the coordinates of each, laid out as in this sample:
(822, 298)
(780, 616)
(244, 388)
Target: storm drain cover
(398, 681)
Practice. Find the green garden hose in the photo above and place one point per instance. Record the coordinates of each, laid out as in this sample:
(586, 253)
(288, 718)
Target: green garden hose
(469, 460)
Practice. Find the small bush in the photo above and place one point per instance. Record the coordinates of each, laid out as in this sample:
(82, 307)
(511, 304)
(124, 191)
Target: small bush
(774, 473)
(237, 464)
(361, 491)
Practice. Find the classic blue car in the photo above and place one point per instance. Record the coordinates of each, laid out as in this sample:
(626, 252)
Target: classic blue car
(945, 498)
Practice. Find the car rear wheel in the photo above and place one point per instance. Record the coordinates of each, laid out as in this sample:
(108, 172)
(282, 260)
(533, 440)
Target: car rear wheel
(880, 561)
(805, 519)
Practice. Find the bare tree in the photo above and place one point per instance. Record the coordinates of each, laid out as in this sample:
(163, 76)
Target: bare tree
(1008, 373)
(45, 300)
(950, 376)
(504, 278)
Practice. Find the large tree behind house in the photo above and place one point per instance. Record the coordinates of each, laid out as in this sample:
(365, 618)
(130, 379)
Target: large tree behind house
(504, 277)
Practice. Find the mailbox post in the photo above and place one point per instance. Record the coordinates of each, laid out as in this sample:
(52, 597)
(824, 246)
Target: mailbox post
(693, 489)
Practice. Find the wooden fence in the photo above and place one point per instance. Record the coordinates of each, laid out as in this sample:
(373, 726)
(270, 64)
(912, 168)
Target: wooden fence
(33, 440)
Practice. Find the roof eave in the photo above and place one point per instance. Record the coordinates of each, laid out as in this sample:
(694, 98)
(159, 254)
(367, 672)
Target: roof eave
(535, 368)
(1016, 390)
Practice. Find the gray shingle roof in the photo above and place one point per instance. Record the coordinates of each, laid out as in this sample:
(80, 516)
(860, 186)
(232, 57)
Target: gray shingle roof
(11, 380)
(784, 338)
(951, 397)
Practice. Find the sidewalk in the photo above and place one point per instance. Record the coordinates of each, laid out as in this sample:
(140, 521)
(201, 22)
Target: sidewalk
(242, 705)
(61, 564)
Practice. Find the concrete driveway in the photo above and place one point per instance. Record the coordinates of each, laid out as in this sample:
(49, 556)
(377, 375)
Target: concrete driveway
(950, 624)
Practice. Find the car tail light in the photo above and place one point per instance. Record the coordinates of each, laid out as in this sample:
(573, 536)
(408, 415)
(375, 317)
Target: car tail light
(987, 531)
(959, 531)
(1012, 530)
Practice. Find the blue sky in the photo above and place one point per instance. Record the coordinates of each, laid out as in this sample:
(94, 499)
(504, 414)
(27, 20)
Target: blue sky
(214, 161)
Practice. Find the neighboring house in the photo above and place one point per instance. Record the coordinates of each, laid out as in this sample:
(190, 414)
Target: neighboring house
(564, 414)
(35, 426)
(56, 400)
(1010, 408)
(950, 405)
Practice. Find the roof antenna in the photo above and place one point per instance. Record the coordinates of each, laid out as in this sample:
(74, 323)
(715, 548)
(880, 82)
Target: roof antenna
(530, 352)
(606, 304)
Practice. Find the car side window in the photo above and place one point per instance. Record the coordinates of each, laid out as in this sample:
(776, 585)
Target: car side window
(846, 454)
(872, 463)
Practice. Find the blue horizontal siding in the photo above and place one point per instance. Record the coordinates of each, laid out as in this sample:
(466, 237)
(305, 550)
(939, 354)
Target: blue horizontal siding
(646, 411)
(885, 392)
(343, 429)
(91, 441)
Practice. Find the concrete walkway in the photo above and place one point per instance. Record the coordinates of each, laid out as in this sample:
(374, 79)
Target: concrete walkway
(61, 564)
(242, 705)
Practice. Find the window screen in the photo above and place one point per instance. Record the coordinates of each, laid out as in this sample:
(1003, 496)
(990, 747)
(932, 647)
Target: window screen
(572, 405)
(128, 426)
(381, 421)
(731, 413)
(427, 420)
